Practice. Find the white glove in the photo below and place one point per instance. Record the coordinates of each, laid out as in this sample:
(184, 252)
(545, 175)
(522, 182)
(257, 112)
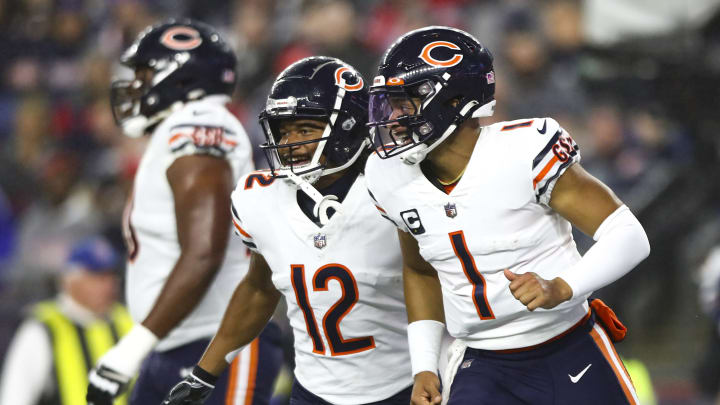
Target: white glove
(119, 365)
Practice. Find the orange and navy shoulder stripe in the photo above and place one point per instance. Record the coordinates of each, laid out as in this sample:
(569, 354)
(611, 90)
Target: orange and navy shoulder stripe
(516, 126)
(380, 209)
(245, 236)
(205, 137)
(548, 147)
(559, 152)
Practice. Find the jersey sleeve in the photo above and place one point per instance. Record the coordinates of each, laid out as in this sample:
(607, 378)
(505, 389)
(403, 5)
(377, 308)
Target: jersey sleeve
(235, 208)
(554, 151)
(384, 213)
(202, 130)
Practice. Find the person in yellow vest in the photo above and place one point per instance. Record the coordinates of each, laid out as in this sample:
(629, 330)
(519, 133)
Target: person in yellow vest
(52, 351)
(642, 382)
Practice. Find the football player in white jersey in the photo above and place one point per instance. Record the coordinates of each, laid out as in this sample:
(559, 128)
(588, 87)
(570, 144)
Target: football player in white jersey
(485, 213)
(318, 242)
(182, 268)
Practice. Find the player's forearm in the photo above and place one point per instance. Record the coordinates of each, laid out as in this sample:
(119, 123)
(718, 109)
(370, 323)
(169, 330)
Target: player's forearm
(184, 289)
(423, 299)
(621, 245)
(423, 295)
(249, 310)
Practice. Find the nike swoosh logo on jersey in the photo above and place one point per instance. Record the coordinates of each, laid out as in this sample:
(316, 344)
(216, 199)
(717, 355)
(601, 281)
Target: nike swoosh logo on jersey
(576, 378)
(544, 128)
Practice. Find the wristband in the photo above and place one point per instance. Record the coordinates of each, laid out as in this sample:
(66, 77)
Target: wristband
(424, 339)
(203, 377)
(127, 355)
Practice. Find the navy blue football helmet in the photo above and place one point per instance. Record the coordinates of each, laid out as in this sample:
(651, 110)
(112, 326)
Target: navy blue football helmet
(186, 60)
(325, 89)
(429, 82)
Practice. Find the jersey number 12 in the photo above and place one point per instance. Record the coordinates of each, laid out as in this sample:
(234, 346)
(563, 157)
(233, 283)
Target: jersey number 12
(331, 321)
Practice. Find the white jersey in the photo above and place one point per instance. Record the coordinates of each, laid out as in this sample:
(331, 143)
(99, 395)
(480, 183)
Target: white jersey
(343, 287)
(495, 218)
(200, 127)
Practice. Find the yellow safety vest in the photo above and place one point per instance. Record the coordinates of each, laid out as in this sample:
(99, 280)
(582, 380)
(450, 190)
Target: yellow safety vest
(77, 347)
(641, 381)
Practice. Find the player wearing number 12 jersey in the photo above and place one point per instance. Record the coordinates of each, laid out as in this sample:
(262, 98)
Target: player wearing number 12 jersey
(485, 214)
(318, 242)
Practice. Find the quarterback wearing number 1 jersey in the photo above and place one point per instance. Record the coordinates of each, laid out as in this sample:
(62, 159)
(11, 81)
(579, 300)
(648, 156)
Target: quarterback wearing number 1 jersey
(485, 212)
(489, 222)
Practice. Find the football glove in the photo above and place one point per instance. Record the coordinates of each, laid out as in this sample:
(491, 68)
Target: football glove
(193, 390)
(105, 385)
(119, 365)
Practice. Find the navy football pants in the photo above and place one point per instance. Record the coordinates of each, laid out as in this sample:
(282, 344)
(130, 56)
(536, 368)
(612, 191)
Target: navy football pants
(581, 367)
(248, 381)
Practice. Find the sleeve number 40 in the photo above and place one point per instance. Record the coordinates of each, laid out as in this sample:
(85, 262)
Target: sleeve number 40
(331, 321)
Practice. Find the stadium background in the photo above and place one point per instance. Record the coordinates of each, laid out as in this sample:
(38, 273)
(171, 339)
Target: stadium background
(637, 83)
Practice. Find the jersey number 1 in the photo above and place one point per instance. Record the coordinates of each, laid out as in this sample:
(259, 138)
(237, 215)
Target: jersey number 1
(331, 321)
(457, 239)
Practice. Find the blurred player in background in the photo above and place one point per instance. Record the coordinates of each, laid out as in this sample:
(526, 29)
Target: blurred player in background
(485, 216)
(47, 360)
(707, 372)
(182, 269)
(317, 240)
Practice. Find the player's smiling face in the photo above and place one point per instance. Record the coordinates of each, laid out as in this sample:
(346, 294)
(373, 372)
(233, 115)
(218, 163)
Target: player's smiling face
(300, 136)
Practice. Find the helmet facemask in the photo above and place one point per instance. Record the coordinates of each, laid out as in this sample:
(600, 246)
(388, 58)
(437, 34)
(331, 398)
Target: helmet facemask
(125, 100)
(283, 156)
(134, 102)
(448, 76)
(426, 113)
(396, 117)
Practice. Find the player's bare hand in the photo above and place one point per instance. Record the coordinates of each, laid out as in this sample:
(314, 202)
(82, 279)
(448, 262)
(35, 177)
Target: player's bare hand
(426, 389)
(536, 292)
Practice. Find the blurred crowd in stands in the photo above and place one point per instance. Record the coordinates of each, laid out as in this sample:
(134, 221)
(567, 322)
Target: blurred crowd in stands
(640, 95)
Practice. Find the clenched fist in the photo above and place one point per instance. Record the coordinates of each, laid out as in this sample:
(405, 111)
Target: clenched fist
(426, 390)
(536, 292)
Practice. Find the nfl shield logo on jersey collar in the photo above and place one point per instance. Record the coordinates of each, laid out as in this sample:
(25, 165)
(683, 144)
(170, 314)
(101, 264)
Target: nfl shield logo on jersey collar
(450, 210)
(320, 241)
